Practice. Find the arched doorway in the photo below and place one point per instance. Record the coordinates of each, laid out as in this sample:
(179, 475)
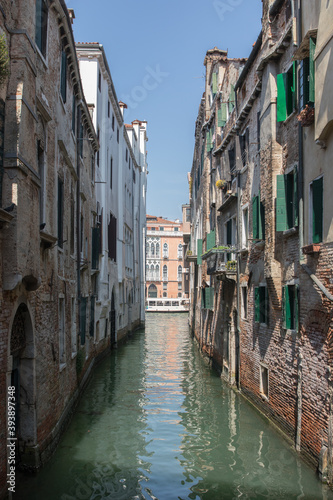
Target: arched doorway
(22, 377)
(152, 292)
(113, 320)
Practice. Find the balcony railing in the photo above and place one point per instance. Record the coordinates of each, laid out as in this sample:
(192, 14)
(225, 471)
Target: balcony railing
(221, 260)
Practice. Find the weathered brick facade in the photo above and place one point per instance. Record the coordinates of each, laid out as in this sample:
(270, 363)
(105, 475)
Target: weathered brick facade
(267, 325)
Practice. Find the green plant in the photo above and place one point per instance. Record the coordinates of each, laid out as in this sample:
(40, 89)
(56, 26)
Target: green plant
(231, 265)
(4, 59)
(221, 184)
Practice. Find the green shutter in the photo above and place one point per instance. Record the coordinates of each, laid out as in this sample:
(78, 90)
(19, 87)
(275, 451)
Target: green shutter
(255, 216)
(283, 307)
(281, 209)
(208, 140)
(296, 307)
(214, 83)
(202, 298)
(281, 105)
(199, 251)
(256, 304)
(287, 308)
(232, 97)
(317, 210)
(222, 115)
(261, 220)
(294, 86)
(312, 71)
(266, 305)
(211, 239)
(295, 197)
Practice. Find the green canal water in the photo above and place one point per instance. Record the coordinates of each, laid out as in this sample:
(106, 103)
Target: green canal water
(157, 423)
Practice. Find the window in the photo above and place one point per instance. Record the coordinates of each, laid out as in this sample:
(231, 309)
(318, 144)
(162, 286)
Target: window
(244, 141)
(111, 172)
(232, 161)
(179, 274)
(83, 319)
(286, 93)
(40, 159)
(126, 154)
(165, 250)
(74, 114)
(97, 155)
(258, 221)
(165, 273)
(232, 99)
(99, 80)
(62, 352)
(152, 291)
(165, 286)
(222, 114)
(109, 109)
(286, 201)
(245, 227)
(165, 294)
(157, 249)
(41, 25)
(258, 131)
(72, 229)
(180, 286)
(316, 210)
(118, 134)
(112, 122)
(261, 304)
(73, 332)
(112, 238)
(209, 140)
(307, 77)
(161, 228)
(264, 380)
(176, 229)
(244, 302)
(207, 298)
(290, 307)
(188, 215)
(63, 75)
(180, 251)
(60, 212)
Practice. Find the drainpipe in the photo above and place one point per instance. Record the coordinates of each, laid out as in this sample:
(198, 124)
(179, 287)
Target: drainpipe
(301, 244)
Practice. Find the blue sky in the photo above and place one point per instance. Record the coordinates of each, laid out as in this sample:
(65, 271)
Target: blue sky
(155, 51)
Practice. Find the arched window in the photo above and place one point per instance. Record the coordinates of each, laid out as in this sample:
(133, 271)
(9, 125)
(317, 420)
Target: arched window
(180, 251)
(153, 249)
(179, 273)
(157, 249)
(147, 249)
(157, 272)
(152, 291)
(165, 273)
(165, 250)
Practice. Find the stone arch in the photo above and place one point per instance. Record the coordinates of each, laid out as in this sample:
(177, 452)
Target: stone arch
(22, 376)
(152, 291)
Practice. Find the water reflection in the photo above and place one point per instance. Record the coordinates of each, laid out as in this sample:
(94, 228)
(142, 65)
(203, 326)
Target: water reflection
(157, 423)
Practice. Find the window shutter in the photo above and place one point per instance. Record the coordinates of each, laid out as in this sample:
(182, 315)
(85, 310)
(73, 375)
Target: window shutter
(287, 307)
(256, 304)
(255, 210)
(211, 238)
(92, 316)
(232, 98)
(294, 87)
(317, 210)
(281, 209)
(214, 83)
(203, 298)
(96, 235)
(312, 71)
(296, 307)
(266, 306)
(208, 140)
(199, 253)
(261, 220)
(222, 115)
(38, 37)
(295, 197)
(283, 307)
(281, 104)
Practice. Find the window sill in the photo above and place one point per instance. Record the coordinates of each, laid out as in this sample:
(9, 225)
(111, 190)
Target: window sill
(62, 366)
(290, 232)
(74, 354)
(244, 169)
(264, 397)
(42, 58)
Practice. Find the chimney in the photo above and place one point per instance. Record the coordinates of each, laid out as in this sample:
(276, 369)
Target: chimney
(122, 106)
(71, 15)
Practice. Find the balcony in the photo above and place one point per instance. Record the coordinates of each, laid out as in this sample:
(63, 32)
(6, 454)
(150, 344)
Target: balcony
(190, 257)
(221, 261)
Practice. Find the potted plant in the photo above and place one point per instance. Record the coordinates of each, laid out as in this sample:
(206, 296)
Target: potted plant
(221, 184)
(306, 116)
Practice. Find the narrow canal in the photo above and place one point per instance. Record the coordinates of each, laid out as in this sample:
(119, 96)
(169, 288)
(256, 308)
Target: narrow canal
(156, 423)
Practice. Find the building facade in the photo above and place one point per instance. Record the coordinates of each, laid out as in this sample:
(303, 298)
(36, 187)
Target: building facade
(121, 179)
(164, 259)
(56, 226)
(260, 251)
